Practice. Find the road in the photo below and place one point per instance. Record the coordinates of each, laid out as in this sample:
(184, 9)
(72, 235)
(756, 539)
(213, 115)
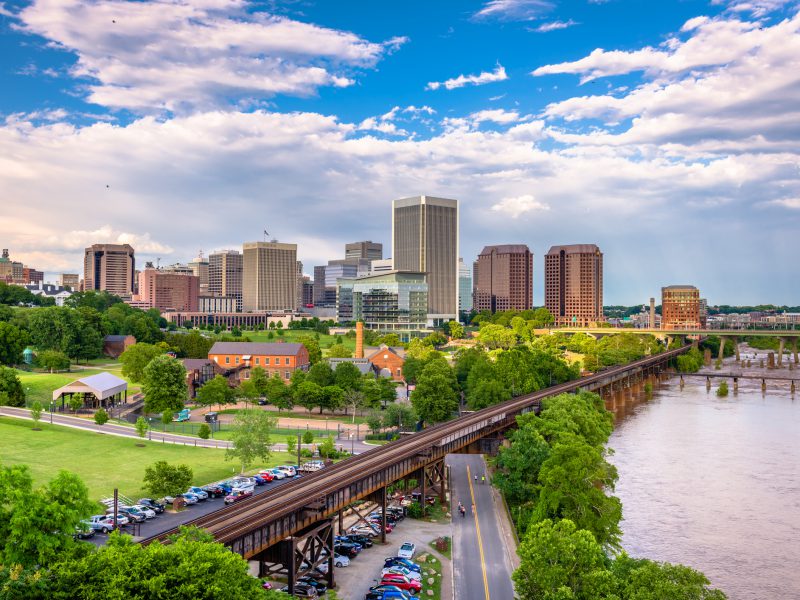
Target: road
(481, 569)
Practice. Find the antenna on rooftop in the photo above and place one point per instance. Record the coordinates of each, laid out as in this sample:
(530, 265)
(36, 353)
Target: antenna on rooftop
(266, 236)
(158, 262)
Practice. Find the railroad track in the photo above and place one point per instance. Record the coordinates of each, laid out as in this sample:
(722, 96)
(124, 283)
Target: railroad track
(229, 523)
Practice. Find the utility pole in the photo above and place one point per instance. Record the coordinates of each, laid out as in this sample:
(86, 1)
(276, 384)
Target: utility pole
(299, 440)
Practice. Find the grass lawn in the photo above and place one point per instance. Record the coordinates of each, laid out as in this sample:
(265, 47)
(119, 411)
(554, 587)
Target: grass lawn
(106, 461)
(291, 335)
(308, 416)
(40, 386)
(431, 575)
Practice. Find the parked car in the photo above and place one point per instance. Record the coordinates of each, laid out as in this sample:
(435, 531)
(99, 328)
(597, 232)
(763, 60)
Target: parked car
(404, 583)
(237, 495)
(242, 481)
(407, 550)
(301, 590)
(348, 550)
(363, 529)
(190, 498)
(267, 475)
(199, 492)
(84, 530)
(317, 585)
(278, 474)
(340, 561)
(152, 505)
(398, 570)
(149, 513)
(266, 585)
(214, 490)
(133, 515)
(377, 524)
(404, 562)
(259, 479)
(362, 540)
(387, 592)
(288, 469)
(312, 466)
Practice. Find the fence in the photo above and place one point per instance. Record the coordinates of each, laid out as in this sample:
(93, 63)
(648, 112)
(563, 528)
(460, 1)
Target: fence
(192, 428)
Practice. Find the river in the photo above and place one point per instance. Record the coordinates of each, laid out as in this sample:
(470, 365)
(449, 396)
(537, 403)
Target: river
(714, 483)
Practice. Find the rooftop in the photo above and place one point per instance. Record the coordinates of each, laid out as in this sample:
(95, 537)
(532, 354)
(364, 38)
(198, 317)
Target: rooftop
(575, 249)
(505, 249)
(261, 348)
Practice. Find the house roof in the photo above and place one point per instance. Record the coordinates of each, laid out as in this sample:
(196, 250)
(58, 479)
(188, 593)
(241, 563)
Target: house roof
(371, 351)
(196, 363)
(257, 348)
(362, 364)
(575, 249)
(102, 385)
(116, 338)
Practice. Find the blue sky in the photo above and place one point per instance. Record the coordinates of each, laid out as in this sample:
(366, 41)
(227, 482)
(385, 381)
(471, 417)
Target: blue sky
(665, 132)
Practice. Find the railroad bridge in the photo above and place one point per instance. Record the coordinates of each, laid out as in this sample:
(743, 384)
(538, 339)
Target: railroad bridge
(289, 528)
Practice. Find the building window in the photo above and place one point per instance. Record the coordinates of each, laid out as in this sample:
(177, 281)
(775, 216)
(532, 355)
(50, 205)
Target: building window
(227, 360)
(237, 360)
(286, 374)
(246, 374)
(258, 360)
(287, 361)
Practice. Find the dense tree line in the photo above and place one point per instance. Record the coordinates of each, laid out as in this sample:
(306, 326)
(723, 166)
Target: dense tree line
(16, 295)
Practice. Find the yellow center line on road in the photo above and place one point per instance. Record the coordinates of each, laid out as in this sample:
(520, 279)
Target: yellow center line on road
(478, 531)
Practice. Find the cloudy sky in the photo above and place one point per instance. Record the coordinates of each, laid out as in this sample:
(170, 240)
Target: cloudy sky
(666, 132)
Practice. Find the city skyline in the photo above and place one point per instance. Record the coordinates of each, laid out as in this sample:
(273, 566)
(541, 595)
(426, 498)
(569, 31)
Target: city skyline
(511, 107)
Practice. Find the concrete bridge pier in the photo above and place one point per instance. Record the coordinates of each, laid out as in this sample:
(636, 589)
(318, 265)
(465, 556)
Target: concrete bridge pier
(721, 348)
(708, 383)
(771, 360)
(735, 384)
(793, 389)
(794, 349)
(707, 357)
(781, 348)
(736, 348)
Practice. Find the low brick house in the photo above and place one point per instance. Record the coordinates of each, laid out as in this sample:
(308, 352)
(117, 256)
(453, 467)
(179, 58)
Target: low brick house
(281, 358)
(388, 360)
(114, 345)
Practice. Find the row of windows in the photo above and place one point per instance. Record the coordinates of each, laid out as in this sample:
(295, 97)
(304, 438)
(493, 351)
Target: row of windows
(276, 361)
(286, 374)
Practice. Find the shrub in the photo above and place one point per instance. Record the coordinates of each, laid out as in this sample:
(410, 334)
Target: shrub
(722, 390)
(306, 453)
(414, 510)
(442, 544)
(204, 432)
(101, 417)
(308, 437)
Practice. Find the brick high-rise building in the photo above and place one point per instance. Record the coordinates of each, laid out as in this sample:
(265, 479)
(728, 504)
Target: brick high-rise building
(11, 271)
(680, 307)
(31, 275)
(573, 284)
(425, 240)
(168, 290)
(109, 267)
(269, 276)
(369, 250)
(225, 275)
(504, 278)
(70, 280)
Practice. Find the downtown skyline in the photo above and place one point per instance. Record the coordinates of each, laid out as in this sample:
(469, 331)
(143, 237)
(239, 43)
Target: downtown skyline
(669, 149)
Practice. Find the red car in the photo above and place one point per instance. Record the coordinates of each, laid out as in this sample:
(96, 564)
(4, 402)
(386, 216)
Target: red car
(266, 475)
(403, 582)
(377, 523)
(237, 495)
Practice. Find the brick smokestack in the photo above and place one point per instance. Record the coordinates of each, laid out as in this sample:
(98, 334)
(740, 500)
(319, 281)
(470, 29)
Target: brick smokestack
(359, 340)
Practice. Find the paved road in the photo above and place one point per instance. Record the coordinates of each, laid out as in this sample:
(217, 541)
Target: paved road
(480, 566)
(156, 436)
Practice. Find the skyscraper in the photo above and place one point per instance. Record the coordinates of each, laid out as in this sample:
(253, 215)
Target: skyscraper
(425, 239)
(680, 307)
(168, 290)
(504, 278)
(225, 275)
(269, 276)
(573, 284)
(369, 250)
(109, 267)
(199, 267)
(464, 286)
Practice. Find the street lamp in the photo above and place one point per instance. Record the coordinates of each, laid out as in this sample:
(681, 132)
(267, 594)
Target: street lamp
(52, 408)
(352, 444)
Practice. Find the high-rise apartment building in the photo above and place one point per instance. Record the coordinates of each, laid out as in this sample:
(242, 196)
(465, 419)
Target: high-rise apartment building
(368, 250)
(464, 286)
(31, 275)
(168, 290)
(225, 275)
(70, 280)
(269, 276)
(680, 307)
(573, 284)
(109, 267)
(425, 240)
(199, 267)
(504, 278)
(11, 271)
(320, 293)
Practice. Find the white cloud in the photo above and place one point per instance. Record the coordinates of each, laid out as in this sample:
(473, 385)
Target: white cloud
(554, 26)
(519, 205)
(484, 77)
(758, 8)
(178, 55)
(791, 203)
(514, 10)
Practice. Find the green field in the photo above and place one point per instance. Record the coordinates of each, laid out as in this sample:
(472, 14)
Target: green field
(40, 386)
(106, 461)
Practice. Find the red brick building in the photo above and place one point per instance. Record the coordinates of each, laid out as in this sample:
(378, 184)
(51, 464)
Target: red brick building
(573, 284)
(281, 358)
(503, 278)
(388, 360)
(168, 291)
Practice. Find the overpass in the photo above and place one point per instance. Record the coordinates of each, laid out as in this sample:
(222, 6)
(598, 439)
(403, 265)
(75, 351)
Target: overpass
(287, 529)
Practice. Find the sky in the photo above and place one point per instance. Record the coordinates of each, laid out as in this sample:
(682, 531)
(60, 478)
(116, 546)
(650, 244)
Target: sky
(665, 132)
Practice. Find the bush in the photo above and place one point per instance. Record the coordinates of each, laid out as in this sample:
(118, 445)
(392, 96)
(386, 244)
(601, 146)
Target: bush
(204, 432)
(377, 436)
(414, 510)
(306, 453)
(291, 444)
(308, 437)
(101, 417)
(141, 427)
(442, 544)
(722, 390)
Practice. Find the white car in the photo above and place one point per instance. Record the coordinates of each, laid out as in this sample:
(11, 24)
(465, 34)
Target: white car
(398, 570)
(363, 530)
(149, 513)
(340, 561)
(407, 550)
(243, 482)
(278, 474)
(290, 471)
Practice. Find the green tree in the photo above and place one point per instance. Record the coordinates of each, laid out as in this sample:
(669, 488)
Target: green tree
(375, 422)
(312, 345)
(236, 332)
(52, 360)
(164, 385)
(308, 437)
(641, 579)
(327, 448)
(308, 395)
(332, 398)
(75, 403)
(372, 391)
(36, 525)
(166, 418)
(101, 417)
(487, 392)
(12, 342)
(399, 415)
(204, 431)
(542, 318)
(455, 329)
(518, 464)
(141, 427)
(136, 358)
(353, 399)
(163, 479)
(260, 379)
(339, 351)
(11, 392)
(36, 412)
(251, 437)
(247, 391)
(278, 393)
(321, 374)
(347, 376)
(291, 444)
(558, 561)
(496, 336)
(435, 399)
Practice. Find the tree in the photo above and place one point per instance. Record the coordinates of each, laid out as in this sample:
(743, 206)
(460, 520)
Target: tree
(353, 399)
(251, 437)
(36, 412)
(435, 399)
(308, 395)
(247, 390)
(518, 464)
(291, 444)
(455, 329)
(312, 345)
(374, 422)
(487, 392)
(164, 385)
(260, 379)
(277, 392)
(321, 374)
(11, 392)
(204, 431)
(141, 427)
(163, 479)
(642, 579)
(372, 391)
(559, 561)
(216, 391)
(101, 417)
(36, 525)
(542, 318)
(75, 403)
(496, 336)
(332, 398)
(236, 332)
(347, 376)
(399, 415)
(52, 360)
(136, 358)
(12, 342)
(308, 437)
(166, 418)
(339, 351)
(327, 448)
